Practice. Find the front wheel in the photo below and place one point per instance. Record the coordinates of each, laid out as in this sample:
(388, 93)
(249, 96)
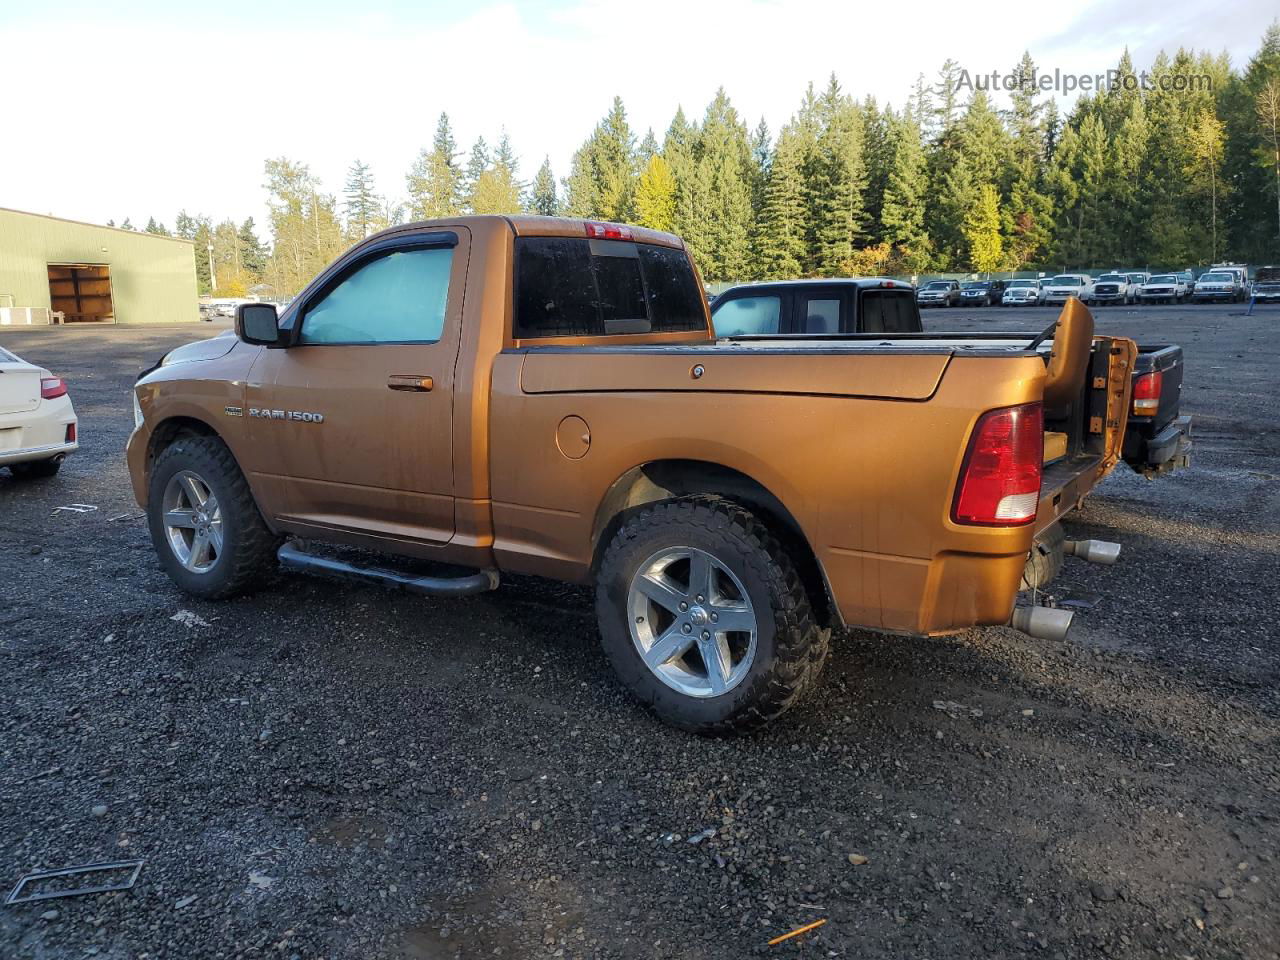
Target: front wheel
(206, 528)
(704, 616)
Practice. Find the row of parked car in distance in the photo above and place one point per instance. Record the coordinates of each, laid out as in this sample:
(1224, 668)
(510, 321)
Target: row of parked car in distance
(1222, 282)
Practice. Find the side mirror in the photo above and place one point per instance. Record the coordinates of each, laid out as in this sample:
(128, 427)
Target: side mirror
(257, 323)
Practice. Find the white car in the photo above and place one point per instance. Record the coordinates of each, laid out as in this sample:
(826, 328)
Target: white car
(1021, 293)
(37, 422)
(1164, 288)
(1112, 288)
(1221, 285)
(1067, 285)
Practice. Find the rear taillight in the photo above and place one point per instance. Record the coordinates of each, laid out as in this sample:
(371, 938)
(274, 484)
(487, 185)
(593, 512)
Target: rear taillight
(52, 387)
(1146, 394)
(608, 231)
(71, 433)
(1000, 480)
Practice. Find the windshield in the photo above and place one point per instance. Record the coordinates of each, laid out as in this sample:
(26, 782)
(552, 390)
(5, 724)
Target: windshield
(1015, 284)
(979, 285)
(1216, 278)
(939, 285)
(1065, 281)
(1163, 279)
(1113, 278)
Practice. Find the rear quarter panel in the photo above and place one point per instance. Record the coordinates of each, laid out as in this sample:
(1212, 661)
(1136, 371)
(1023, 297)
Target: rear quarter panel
(868, 478)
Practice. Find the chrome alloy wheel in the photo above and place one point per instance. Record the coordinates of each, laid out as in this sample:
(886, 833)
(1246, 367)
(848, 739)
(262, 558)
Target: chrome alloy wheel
(692, 622)
(192, 521)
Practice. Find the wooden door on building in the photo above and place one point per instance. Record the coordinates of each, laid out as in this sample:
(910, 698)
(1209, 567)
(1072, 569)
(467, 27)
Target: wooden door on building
(81, 292)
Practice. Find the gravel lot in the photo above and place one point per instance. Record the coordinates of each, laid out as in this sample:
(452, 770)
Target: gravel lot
(336, 771)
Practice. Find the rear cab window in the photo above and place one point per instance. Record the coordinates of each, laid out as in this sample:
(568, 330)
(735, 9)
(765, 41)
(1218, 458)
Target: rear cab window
(888, 311)
(581, 287)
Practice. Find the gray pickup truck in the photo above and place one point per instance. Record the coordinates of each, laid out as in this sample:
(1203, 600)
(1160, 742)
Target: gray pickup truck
(1157, 438)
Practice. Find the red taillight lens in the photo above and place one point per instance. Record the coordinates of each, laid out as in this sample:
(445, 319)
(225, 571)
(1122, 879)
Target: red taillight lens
(52, 387)
(1000, 480)
(71, 433)
(608, 231)
(1146, 394)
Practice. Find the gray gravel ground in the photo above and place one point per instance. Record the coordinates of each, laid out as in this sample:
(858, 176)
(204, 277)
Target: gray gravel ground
(335, 771)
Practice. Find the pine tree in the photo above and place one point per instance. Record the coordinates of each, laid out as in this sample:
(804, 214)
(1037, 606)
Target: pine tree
(153, 226)
(761, 158)
(1127, 187)
(615, 164)
(903, 210)
(126, 225)
(252, 251)
(582, 194)
(1250, 110)
(361, 202)
(722, 186)
(477, 164)
(645, 152)
(947, 90)
(498, 188)
(837, 180)
(982, 230)
(542, 198)
(601, 183)
(433, 182)
(783, 217)
(680, 149)
(1204, 169)
(1027, 215)
(656, 195)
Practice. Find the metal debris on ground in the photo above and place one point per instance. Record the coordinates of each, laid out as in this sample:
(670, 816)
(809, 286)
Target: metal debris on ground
(77, 508)
(125, 516)
(190, 620)
(954, 709)
(697, 838)
(129, 868)
(798, 931)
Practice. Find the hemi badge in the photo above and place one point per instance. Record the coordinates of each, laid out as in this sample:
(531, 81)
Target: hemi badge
(231, 411)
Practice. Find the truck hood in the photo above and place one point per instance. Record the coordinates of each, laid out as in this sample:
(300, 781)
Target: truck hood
(210, 349)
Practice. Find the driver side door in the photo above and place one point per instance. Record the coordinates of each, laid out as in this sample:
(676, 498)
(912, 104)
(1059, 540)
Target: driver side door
(358, 409)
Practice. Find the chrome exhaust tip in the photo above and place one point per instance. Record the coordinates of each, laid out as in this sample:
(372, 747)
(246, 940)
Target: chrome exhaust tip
(1043, 623)
(1093, 551)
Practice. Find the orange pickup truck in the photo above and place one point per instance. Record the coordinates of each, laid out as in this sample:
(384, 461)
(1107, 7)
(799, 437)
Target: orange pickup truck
(546, 396)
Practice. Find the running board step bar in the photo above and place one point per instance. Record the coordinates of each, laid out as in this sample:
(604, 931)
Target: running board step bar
(292, 557)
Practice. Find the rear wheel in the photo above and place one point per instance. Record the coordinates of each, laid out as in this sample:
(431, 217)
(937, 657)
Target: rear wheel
(35, 469)
(204, 524)
(704, 616)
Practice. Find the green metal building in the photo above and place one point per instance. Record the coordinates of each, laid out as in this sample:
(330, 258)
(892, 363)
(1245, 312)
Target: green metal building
(54, 270)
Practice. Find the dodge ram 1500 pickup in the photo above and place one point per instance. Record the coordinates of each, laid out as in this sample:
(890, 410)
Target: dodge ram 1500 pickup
(535, 395)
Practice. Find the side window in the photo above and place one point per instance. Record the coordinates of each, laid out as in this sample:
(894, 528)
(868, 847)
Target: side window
(745, 316)
(397, 298)
(889, 311)
(818, 315)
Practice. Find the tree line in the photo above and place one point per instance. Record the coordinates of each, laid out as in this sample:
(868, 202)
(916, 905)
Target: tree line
(1135, 175)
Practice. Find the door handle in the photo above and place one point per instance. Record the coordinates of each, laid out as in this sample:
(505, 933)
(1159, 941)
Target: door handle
(410, 382)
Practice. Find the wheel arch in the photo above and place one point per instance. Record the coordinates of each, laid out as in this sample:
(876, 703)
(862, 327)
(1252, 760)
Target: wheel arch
(657, 480)
(171, 428)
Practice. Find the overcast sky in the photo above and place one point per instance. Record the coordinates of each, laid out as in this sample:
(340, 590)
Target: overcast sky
(147, 108)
